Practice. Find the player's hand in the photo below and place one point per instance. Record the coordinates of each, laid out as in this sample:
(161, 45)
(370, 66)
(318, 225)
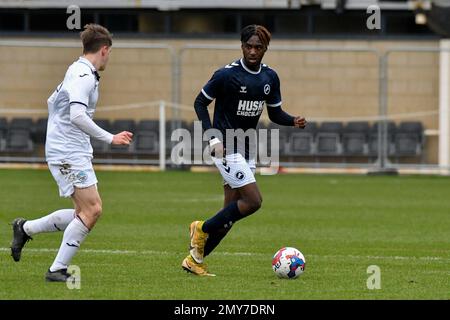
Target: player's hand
(300, 122)
(123, 138)
(216, 148)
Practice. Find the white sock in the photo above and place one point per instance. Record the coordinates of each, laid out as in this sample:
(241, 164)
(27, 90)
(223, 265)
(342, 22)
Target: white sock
(74, 235)
(56, 221)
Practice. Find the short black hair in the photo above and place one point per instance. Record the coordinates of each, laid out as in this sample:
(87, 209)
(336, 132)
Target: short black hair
(254, 29)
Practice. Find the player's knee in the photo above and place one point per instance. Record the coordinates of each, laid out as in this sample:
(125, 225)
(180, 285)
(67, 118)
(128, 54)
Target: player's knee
(96, 210)
(255, 204)
(258, 203)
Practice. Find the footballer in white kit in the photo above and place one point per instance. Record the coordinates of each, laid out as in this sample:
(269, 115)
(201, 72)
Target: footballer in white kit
(68, 149)
(69, 154)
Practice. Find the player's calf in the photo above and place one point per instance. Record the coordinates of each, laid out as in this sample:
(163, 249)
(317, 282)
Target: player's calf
(249, 206)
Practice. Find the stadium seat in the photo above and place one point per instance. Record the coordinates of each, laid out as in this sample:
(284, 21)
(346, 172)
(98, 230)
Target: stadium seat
(18, 136)
(148, 125)
(146, 142)
(301, 141)
(171, 126)
(409, 139)
(39, 131)
(98, 146)
(284, 133)
(328, 139)
(3, 125)
(355, 138)
(104, 124)
(263, 144)
(19, 140)
(146, 137)
(119, 126)
(3, 131)
(373, 138)
(123, 125)
(21, 123)
(196, 149)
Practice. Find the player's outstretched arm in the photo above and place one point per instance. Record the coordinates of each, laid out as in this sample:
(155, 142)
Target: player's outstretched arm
(79, 118)
(279, 116)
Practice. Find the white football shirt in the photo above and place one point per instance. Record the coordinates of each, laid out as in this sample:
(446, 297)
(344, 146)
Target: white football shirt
(66, 142)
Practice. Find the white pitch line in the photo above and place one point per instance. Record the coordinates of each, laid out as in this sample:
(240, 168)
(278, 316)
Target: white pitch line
(155, 252)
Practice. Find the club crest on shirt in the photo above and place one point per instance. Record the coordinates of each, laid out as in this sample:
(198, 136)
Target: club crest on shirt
(267, 89)
(243, 89)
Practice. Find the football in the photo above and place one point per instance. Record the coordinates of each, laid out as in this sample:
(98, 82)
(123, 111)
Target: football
(288, 263)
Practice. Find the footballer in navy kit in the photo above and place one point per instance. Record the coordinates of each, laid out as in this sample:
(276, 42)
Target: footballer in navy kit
(241, 89)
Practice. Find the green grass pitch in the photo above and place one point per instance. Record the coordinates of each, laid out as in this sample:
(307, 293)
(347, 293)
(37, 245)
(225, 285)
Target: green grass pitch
(342, 224)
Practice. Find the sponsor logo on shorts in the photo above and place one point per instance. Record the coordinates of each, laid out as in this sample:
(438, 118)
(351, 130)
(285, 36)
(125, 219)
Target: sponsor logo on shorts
(81, 176)
(64, 168)
(77, 177)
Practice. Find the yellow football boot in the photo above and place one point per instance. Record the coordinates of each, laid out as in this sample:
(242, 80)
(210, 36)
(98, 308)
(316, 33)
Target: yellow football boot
(199, 269)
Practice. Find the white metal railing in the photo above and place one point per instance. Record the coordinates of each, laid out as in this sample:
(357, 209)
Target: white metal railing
(166, 5)
(156, 4)
(177, 57)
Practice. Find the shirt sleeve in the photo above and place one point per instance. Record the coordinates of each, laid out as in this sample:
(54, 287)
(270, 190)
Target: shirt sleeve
(80, 87)
(215, 85)
(201, 109)
(79, 117)
(274, 96)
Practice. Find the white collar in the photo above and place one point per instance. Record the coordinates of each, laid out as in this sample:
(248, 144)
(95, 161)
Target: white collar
(86, 61)
(91, 66)
(247, 69)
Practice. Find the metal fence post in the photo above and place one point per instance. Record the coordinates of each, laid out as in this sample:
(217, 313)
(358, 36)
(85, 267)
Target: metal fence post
(162, 135)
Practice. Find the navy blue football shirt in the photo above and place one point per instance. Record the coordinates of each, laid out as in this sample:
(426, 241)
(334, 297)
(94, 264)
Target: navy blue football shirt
(240, 95)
